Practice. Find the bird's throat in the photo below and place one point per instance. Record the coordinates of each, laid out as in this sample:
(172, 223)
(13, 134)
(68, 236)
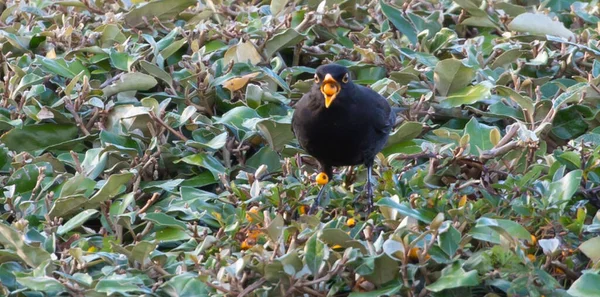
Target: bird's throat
(330, 91)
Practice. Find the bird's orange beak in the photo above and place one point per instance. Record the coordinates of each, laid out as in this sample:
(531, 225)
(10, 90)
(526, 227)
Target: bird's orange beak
(330, 89)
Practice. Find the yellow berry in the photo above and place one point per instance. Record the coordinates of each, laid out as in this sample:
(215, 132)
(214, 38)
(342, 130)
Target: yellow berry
(322, 179)
(462, 201)
(351, 222)
(533, 240)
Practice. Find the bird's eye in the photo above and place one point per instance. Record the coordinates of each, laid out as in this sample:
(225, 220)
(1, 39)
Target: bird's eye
(316, 78)
(345, 78)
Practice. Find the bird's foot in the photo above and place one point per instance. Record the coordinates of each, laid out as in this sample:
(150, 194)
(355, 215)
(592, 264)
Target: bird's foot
(369, 198)
(368, 188)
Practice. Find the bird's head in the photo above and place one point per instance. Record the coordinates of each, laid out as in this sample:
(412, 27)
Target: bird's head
(332, 79)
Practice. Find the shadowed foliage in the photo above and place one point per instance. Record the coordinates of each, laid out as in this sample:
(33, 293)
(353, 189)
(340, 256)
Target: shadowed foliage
(146, 149)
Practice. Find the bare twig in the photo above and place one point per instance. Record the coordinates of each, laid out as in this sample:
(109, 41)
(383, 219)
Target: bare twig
(148, 203)
(160, 122)
(252, 287)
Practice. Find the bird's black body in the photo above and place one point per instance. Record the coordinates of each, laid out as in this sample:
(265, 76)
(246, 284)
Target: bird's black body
(351, 131)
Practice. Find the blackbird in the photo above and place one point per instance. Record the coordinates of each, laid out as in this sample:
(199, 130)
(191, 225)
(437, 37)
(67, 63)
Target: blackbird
(341, 123)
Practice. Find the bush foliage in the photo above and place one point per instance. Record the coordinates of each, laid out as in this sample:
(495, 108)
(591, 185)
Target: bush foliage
(146, 149)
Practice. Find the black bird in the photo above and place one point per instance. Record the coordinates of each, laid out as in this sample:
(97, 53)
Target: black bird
(341, 123)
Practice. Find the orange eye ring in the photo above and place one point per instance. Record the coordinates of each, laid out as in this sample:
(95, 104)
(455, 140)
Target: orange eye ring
(322, 179)
(345, 78)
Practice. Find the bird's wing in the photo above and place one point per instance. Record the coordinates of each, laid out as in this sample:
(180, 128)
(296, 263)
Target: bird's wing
(300, 104)
(385, 119)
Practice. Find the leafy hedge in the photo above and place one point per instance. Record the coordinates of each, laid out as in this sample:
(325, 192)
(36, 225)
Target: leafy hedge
(146, 149)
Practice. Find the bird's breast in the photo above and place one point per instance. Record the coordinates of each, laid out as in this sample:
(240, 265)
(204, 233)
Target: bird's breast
(336, 139)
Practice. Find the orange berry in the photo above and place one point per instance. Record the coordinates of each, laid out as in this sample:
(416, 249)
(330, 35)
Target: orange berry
(254, 209)
(302, 209)
(245, 245)
(413, 254)
(351, 222)
(531, 257)
(322, 179)
(533, 240)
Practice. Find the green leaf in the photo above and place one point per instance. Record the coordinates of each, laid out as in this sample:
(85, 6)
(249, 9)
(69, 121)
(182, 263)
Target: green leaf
(120, 285)
(214, 143)
(134, 81)
(277, 6)
(452, 75)
(523, 101)
(236, 116)
(400, 22)
(186, 284)
(572, 94)
(315, 252)
(494, 227)
(205, 161)
(31, 138)
(561, 191)
(42, 283)
(281, 40)
(68, 69)
(405, 210)
(157, 72)
(568, 124)
(471, 6)
(407, 131)
(25, 178)
(76, 221)
(468, 95)
(66, 205)
(449, 241)
(479, 136)
(27, 81)
(161, 219)
(10, 239)
(390, 290)
(588, 284)
(590, 249)
(335, 236)
(507, 57)
(172, 48)
(142, 250)
(114, 185)
(277, 133)
(162, 9)
(454, 276)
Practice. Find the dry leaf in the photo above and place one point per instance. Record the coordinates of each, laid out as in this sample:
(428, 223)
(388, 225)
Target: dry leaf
(242, 53)
(536, 23)
(237, 83)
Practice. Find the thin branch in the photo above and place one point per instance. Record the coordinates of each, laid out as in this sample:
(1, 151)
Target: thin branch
(148, 203)
(159, 121)
(252, 287)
